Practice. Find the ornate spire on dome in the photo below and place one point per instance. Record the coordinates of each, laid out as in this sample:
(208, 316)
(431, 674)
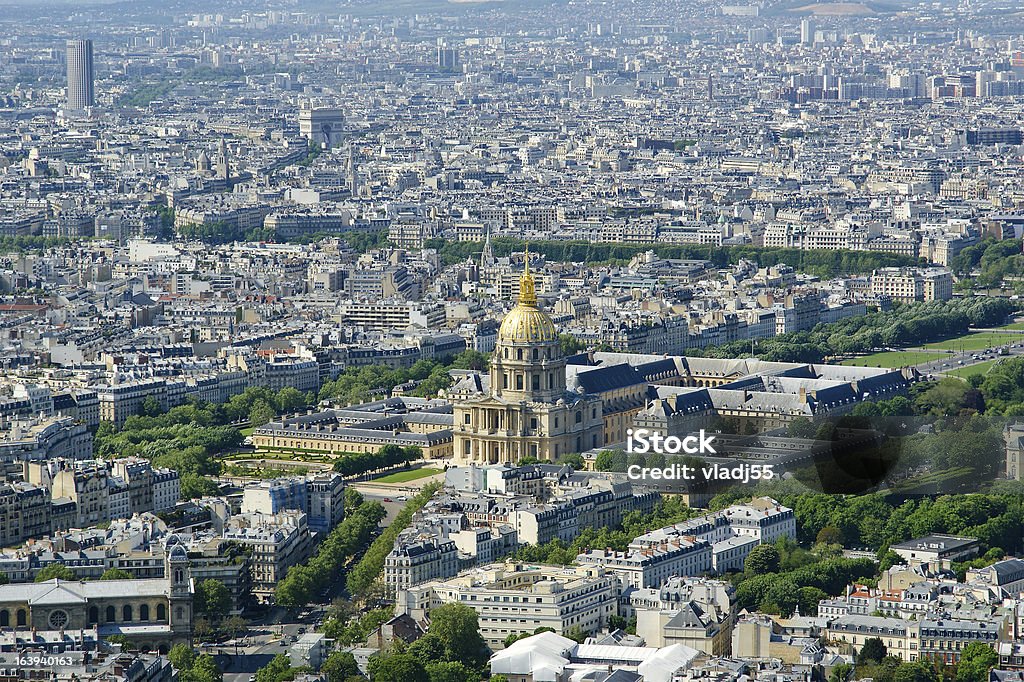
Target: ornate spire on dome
(527, 289)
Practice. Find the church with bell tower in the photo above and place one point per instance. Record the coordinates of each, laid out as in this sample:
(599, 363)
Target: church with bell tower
(526, 410)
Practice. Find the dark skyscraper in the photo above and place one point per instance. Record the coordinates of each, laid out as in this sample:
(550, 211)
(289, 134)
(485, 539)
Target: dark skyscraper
(80, 74)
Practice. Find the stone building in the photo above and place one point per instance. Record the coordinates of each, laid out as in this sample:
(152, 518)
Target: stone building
(153, 614)
(526, 411)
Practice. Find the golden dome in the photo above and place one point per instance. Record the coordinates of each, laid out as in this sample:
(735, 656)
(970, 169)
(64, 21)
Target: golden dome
(526, 323)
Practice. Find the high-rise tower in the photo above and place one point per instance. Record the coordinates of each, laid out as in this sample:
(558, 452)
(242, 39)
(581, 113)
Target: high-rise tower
(81, 94)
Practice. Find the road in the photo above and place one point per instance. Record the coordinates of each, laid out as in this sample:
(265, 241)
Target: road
(959, 360)
(260, 645)
(240, 660)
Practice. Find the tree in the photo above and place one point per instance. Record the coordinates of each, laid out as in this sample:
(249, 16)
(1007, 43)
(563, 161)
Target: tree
(353, 498)
(873, 651)
(395, 668)
(213, 598)
(829, 535)
(204, 669)
(471, 359)
(889, 559)
(339, 666)
(181, 656)
(151, 407)
(976, 660)
(915, 671)
(289, 399)
(234, 625)
(116, 574)
(575, 633)
(840, 672)
(52, 571)
(610, 460)
(457, 626)
(809, 598)
(260, 413)
(570, 345)
(275, 671)
(573, 459)
(762, 559)
(451, 671)
(801, 427)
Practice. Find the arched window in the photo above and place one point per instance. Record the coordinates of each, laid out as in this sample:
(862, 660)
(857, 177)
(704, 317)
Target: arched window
(161, 612)
(5, 618)
(94, 615)
(536, 382)
(22, 617)
(144, 612)
(579, 416)
(519, 353)
(111, 614)
(126, 613)
(536, 353)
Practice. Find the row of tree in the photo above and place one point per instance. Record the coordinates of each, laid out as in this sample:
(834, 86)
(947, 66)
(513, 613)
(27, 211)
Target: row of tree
(360, 384)
(873, 521)
(187, 438)
(365, 573)
(989, 262)
(306, 581)
(358, 463)
(904, 325)
(779, 578)
(824, 263)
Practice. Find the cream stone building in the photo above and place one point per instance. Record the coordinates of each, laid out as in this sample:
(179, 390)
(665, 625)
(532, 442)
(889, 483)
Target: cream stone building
(526, 411)
(154, 614)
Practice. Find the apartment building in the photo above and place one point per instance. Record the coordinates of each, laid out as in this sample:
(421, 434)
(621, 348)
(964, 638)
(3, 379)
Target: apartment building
(420, 560)
(24, 512)
(45, 438)
(515, 598)
(651, 566)
(908, 285)
(321, 497)
(278, 542)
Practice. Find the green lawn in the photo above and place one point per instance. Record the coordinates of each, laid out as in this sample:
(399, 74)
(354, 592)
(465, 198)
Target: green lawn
(975, 341)
(247, 431)
(406, 476)
(981, 368)
(903, 358)
(1018, 326)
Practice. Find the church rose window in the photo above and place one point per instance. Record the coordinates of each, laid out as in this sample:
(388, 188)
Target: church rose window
(58, 619)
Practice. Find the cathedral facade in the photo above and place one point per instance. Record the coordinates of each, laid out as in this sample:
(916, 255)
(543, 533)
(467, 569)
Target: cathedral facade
(152, 614)
(526, 410)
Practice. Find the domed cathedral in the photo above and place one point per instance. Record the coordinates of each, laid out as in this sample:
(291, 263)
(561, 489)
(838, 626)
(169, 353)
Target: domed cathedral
(526, 410)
